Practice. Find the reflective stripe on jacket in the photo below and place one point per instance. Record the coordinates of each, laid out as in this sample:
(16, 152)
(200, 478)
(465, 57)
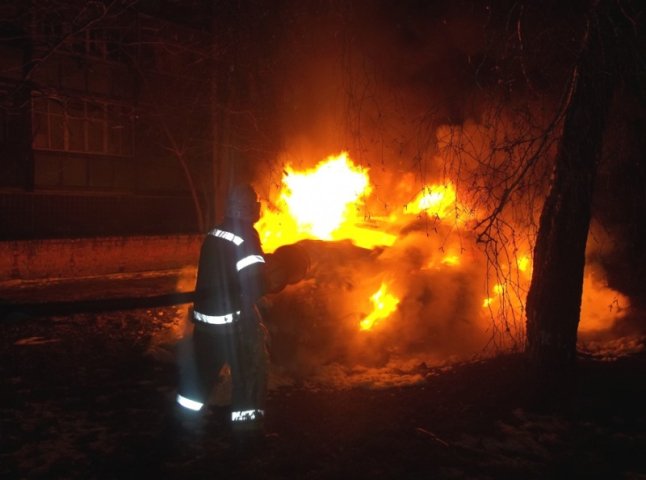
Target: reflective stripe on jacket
(229, 272)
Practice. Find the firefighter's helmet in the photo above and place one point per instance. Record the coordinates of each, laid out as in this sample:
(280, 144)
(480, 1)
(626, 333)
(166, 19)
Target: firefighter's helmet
(242, 203)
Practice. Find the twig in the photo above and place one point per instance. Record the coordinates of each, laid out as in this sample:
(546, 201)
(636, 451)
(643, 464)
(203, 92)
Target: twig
(433, 436)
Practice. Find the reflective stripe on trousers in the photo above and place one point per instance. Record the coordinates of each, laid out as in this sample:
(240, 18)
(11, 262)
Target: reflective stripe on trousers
(189, 404)
(246, 415)
(236, 415)
(215, 319)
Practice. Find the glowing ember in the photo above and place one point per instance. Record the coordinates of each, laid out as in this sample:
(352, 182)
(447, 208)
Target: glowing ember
(384, 304)
(499, 290)
(321, 203)
(524, 264)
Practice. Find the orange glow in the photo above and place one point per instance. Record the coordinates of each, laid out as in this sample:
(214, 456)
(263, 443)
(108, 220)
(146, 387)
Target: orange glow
(435, 200)
(451, 260)
(524, 264)
(384, 303)
(499, 290)
(322, 203)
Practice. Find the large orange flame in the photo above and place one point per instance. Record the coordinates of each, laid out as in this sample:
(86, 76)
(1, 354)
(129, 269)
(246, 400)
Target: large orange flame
(323, 203)
(326, 203)
(322, 200)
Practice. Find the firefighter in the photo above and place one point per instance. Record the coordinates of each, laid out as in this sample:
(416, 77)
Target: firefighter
(227, 326)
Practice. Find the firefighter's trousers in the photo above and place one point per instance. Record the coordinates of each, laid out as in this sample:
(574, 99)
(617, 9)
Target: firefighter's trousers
(241, 345)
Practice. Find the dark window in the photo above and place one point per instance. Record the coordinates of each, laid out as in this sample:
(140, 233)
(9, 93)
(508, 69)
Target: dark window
(82, 126)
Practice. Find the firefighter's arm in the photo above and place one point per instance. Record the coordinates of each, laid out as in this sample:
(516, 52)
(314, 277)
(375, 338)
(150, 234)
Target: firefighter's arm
(252, 283)
(289, 264)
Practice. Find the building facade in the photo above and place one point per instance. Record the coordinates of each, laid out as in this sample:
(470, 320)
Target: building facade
(105, 121)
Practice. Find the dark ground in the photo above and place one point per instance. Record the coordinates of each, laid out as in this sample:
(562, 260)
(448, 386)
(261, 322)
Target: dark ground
(83, 398)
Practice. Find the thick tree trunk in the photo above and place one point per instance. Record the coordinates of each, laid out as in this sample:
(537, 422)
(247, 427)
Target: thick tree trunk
(554, 299)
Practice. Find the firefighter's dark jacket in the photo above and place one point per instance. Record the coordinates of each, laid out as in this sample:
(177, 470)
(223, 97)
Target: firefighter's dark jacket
(222, 286)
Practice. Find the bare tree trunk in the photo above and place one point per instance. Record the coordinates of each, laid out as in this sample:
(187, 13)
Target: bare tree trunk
(554, 299)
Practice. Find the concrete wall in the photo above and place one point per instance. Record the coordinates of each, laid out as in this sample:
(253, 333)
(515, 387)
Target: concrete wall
(68, 258)
(30, 216)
